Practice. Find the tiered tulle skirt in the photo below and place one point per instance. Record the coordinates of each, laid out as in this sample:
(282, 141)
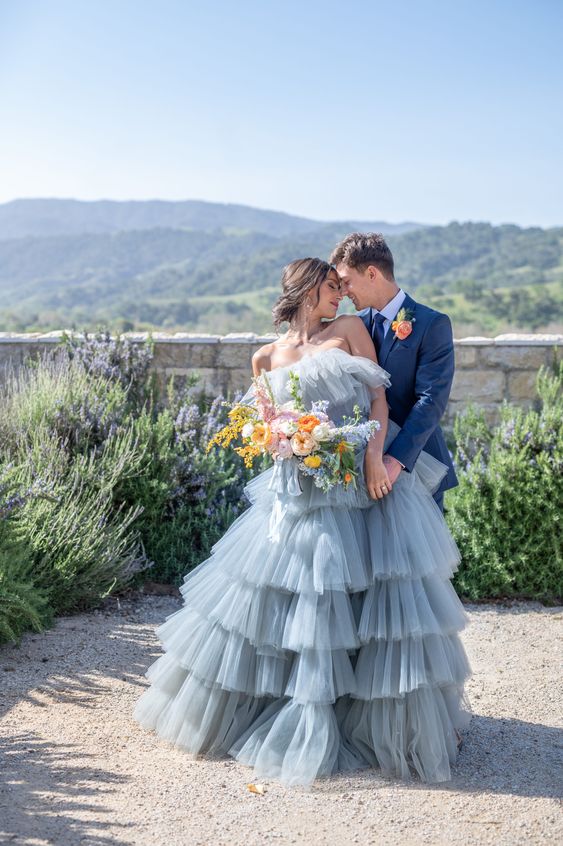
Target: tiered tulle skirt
(321, 636)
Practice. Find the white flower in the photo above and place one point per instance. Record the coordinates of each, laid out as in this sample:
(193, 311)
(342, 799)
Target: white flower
(288, 428)
(321, 432)
(247, 430)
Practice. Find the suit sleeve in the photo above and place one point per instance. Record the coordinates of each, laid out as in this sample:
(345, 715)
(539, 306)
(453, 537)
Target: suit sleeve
(434, 377)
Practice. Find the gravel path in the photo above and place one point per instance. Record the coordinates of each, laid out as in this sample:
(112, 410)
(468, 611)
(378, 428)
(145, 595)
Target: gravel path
(75, 768)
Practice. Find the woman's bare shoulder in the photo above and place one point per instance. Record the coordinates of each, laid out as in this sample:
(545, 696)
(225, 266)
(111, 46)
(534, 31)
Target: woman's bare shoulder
(353, 329)
(351, 321)
(262, 358)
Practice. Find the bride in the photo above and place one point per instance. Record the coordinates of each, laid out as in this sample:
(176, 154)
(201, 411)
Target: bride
(322, 635)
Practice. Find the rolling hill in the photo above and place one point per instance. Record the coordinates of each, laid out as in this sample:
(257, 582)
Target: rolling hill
(207, 267)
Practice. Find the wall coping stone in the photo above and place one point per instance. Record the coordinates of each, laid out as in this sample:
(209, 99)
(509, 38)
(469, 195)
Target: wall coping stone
(507, 340)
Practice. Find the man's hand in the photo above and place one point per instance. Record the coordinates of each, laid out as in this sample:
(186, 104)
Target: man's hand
(378, 481)
(393, 467)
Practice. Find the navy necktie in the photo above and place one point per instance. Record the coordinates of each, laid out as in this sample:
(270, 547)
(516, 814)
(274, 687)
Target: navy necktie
(378, 333)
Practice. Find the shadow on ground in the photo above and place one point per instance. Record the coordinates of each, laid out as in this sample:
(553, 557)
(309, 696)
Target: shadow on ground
(73, 664)
(48, 800)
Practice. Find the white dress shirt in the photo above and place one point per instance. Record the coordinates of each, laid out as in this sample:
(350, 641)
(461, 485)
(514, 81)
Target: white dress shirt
(391, 309)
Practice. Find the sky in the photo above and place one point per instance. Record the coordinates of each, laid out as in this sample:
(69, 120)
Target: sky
(420, 110)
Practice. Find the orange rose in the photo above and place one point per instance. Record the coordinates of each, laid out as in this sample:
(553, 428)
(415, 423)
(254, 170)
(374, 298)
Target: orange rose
(308, 422)
(262, 434)
(403, 330)
(347, 478)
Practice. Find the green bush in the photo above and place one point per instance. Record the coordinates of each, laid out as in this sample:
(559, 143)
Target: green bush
(104, 480)
(506, 514)
(23, 604)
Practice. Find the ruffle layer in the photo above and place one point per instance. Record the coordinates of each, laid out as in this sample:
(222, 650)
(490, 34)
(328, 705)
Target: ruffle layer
(298, 742)
(330, 549)
(224, 658)
(389, 609)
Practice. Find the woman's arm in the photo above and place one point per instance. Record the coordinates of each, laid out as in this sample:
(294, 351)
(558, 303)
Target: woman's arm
(361, 343)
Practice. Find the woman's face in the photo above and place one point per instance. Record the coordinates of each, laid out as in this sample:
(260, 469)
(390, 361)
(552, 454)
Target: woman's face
(330, 296)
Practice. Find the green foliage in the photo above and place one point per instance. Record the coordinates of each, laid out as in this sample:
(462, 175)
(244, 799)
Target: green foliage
(174, 277)
(100, 480)
(23, 605)
(506, 514)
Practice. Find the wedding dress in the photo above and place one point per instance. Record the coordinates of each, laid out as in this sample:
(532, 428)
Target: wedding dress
(322, 635)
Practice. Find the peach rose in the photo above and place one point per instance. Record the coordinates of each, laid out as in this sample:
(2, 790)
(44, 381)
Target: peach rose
(261, 435)
(302, 443)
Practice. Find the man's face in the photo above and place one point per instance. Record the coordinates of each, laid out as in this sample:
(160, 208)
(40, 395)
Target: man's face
(358, 285)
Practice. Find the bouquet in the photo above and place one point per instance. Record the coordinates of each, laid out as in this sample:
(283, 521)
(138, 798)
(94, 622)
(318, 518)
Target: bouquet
(290, 432)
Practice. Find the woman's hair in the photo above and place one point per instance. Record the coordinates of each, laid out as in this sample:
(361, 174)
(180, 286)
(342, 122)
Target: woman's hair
(298, 278)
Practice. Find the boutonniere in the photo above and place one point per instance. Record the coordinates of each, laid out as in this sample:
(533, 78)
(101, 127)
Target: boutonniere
(402, 325)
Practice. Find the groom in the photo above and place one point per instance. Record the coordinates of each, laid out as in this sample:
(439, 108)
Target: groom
(413, 343)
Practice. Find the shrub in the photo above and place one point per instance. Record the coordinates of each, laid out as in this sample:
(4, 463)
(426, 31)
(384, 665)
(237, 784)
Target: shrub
(507, 511)
(23, 604)
(106, 480)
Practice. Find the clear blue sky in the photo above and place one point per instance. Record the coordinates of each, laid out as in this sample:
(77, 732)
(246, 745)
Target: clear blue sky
(408, 110)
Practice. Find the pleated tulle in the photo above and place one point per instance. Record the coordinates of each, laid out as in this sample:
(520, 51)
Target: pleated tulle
(322, 634)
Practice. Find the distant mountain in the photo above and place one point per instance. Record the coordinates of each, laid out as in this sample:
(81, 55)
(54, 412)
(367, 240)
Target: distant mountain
(224, 276)
(50, 217)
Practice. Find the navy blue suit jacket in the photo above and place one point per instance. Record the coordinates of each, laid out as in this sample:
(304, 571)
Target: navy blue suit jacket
(421, 369)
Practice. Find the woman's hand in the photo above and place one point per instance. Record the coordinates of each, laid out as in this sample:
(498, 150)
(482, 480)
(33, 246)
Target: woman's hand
(378, 482)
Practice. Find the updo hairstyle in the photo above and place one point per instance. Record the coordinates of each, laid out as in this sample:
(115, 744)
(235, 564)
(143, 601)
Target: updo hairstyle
(298, 278)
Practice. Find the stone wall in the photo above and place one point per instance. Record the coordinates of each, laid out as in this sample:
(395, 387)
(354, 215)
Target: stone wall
(488, 370)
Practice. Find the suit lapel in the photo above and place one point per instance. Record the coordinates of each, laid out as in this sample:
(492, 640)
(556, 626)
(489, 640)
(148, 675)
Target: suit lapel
(390, 340)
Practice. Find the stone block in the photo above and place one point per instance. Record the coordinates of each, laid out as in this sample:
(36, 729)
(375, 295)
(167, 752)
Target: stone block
(513, 357)
(474, 341)
(522, 386)
(490, 410)
(213, 381)
(518, 339)
(465, 356)
(11, 354)
(239, 379)
(235, 356)
(183, 354)
(239, 338)
(478, 386)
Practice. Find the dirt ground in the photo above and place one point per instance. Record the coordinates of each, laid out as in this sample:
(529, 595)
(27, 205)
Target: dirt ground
(75, 768)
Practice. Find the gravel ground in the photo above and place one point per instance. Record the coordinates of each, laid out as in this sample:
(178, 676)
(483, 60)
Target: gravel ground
(75, 768)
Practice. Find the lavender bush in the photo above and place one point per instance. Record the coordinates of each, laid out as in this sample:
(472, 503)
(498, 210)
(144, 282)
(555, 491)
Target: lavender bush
(108, 481)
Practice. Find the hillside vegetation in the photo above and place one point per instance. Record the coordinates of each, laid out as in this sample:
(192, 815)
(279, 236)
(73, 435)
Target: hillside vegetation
(217, 268)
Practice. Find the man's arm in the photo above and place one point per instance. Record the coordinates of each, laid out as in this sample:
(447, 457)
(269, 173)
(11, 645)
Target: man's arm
(434, 376)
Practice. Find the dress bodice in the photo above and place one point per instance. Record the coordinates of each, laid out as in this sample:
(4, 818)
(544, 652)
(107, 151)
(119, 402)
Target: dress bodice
(333, 375)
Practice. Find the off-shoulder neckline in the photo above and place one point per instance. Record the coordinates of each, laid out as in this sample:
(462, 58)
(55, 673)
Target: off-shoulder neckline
(318, 355)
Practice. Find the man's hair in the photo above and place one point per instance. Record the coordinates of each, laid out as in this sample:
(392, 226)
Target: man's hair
(362, 249)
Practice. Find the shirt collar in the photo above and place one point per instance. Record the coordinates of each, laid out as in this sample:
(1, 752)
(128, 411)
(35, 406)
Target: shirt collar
(393, 306)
